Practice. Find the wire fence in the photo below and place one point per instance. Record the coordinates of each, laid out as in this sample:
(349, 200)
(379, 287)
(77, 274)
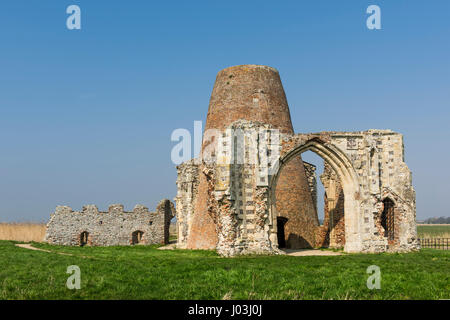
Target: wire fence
(435, 243)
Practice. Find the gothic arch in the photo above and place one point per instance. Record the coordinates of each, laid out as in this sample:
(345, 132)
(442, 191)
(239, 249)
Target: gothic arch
(339, 161)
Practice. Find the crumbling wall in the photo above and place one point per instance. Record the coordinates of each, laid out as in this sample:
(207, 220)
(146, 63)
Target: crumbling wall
(377, 157)
(361, 170)
(332, 232)
(253, 93)
(240, 191)
(310, 171)
(114, 227)
(187, 190)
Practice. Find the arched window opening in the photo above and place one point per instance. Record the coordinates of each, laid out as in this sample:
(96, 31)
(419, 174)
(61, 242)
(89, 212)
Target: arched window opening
(387, 219)
(136, 237)
(84, 237)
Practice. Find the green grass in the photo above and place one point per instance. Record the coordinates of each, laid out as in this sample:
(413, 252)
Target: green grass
(433, 231)
(142, 272)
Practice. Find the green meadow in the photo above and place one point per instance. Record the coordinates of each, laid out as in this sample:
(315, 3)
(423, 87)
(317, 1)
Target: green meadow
(144, 272)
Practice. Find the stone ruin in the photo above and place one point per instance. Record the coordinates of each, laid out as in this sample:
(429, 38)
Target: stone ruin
(115, 227)
(249, 192)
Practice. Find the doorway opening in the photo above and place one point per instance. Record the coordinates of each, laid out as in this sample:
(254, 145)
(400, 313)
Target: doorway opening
(281, 222)
(321, 224)
(84, 238)
(136, 237)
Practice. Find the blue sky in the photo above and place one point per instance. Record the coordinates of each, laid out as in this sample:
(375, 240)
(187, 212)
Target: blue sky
(86, 115)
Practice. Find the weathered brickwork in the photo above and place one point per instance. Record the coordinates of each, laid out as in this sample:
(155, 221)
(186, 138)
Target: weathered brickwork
(254, 93)
(295, 203)
(254, 205)
(114, 227)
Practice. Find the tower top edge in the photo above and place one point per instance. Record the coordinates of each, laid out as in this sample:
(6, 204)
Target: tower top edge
(248, 67)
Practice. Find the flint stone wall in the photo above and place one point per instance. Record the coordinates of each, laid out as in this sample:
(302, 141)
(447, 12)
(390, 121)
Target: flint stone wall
(332, 233)
(371, 168)
(112, 228)
(310, 171)
(187, 190)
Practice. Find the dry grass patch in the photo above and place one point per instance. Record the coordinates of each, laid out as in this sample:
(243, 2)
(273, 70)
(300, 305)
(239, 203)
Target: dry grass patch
(431, 231)
(22, 231)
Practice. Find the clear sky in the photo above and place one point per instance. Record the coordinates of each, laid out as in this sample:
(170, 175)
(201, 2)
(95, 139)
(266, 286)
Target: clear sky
(86, 115)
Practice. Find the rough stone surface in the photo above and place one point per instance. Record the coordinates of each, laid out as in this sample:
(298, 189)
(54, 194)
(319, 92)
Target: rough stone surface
(253, 93)
(310, 171)
(332, 232)
(187, 190)
(114, 227)
(234, 206)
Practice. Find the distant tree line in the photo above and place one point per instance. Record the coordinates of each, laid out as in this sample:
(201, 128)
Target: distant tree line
(435, 220)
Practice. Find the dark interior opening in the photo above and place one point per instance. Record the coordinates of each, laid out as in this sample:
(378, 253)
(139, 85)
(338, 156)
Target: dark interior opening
(136, 237)
(84, 237)
(281, 222)
(387, 218)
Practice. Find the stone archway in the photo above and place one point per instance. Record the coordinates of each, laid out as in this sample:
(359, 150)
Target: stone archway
(368, 165)
(343, 167)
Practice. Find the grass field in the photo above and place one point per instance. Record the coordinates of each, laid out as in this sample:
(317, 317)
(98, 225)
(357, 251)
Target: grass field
(142, 272)
(433, 230)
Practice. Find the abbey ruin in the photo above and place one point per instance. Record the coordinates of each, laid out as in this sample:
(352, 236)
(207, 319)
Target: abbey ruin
(250, 191)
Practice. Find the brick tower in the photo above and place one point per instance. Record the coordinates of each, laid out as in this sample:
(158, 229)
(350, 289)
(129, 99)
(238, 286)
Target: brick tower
(255, 93)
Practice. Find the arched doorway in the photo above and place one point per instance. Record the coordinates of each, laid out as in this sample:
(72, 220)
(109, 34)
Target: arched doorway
(136, 237)
(343, 167)
(281, 222)
(84, 238)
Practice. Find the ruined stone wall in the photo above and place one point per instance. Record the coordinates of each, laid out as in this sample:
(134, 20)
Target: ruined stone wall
(187, 190)
(310, 171)
(114, 227)
(378, 157)
(377, 161)
(332, 232)
(370, 167)
(234, 206)
(241, 205)
(252, 93)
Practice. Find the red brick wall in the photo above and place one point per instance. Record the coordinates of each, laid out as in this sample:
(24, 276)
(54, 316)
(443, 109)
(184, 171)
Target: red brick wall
(203, 232)
(294, 202)
(255, 93)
